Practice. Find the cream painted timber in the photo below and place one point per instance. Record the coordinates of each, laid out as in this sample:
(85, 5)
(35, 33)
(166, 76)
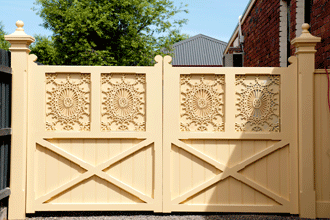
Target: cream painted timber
(228, 162)
(222, 169)
(19, 48)
(322, 144)
(84, 163)
(305, 52)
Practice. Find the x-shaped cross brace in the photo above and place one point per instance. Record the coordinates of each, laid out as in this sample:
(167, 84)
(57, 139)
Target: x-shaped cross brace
(97, 170)
(230, 171)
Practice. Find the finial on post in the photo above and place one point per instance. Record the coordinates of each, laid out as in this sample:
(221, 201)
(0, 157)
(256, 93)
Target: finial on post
(19, 35)
(305, 28)
(19, 25)
(305, 38)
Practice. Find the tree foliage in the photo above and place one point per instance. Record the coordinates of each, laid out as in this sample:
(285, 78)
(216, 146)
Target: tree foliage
(44, 49)
(3, 43)
(109, 32)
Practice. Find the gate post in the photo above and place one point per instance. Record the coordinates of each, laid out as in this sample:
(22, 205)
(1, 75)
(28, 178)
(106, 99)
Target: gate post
(20, 42)
(305, 52)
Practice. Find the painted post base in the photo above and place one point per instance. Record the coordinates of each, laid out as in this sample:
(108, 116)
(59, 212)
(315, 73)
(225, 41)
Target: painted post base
(307, 205)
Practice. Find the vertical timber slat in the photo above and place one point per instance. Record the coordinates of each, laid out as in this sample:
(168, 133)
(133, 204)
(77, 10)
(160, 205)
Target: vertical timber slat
(5, 105)
(2, 168)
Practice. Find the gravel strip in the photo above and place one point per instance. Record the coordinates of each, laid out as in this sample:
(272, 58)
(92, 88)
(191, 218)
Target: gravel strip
(152, 216)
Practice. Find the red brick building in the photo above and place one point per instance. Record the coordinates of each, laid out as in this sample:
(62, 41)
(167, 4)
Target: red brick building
(268, 26)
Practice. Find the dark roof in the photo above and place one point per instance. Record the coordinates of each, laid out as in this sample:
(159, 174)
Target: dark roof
(199, 50)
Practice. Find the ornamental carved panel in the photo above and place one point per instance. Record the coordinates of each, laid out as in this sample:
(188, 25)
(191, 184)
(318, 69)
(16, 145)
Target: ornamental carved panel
(257, 106)
(202, 102)
(123, 102)
(67, 102)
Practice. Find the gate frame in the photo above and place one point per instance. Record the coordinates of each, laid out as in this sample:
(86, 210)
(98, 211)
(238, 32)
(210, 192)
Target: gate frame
(151, 135)
(20, 41)
(287, 136)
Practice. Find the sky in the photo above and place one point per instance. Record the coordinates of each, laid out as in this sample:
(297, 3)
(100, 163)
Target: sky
(214, 18)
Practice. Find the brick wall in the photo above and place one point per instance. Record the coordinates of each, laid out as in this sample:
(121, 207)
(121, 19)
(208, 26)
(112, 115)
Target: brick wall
(320, 26)
(293, 23)
(261, 32)
(261, 44)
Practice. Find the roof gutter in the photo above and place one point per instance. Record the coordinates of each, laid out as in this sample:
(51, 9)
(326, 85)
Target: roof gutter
(235, 33)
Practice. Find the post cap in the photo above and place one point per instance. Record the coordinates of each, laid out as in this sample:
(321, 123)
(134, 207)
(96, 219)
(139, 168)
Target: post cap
(305, 37)
(19, 34)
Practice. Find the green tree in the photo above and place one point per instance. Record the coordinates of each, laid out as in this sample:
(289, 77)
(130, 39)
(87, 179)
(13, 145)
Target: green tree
(44, 49)
(116, 32)
(3, 43)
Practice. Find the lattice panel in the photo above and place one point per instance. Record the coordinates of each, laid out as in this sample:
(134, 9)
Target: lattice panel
(258, 103)
(123, 102)
(202, 102)
(68, 102)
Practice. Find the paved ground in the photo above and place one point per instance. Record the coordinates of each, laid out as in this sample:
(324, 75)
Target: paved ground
(152, 216)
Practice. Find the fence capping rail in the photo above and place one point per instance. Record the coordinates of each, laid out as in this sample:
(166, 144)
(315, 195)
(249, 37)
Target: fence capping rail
(19, 48)
(305, 52)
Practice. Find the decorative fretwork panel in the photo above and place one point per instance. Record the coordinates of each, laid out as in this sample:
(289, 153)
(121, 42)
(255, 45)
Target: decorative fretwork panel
(257, 103)
(67, 101)
(123, 102)
(202, 102)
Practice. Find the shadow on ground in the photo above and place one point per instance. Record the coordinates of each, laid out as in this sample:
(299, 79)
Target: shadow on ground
(151, 215)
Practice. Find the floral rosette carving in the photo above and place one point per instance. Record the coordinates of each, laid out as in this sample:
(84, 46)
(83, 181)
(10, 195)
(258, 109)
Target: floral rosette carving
(258, 103)
(202, 103)
(67, 102)
(123, 105)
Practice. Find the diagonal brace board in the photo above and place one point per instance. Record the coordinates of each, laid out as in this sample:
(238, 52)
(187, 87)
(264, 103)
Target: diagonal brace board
(230, 171)
(97, 170)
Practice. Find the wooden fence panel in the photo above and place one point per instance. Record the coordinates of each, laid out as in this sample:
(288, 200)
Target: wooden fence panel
(322, 144)
(5, 122)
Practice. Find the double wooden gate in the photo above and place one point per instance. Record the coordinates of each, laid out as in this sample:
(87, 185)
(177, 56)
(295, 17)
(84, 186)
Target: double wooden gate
(162, 138)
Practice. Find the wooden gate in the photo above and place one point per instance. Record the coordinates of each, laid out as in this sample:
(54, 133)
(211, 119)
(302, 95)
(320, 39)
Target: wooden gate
(96, 141)
(162, 138)
(230, 139)
(94, 138)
